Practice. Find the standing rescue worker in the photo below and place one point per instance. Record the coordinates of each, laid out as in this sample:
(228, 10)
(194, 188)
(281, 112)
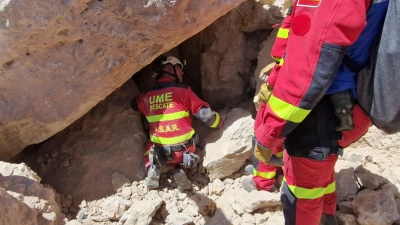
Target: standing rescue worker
(264, 174)
(166, 107)
(302, 108)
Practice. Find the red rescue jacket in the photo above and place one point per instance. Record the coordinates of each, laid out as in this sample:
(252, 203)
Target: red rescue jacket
(167, 107)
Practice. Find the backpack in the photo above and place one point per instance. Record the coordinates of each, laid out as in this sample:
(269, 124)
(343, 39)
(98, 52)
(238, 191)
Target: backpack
(378, 85)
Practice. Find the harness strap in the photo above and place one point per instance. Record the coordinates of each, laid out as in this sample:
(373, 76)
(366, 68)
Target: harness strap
(180, 147)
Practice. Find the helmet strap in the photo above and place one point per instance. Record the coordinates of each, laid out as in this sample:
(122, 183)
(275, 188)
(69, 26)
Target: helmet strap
(166, 72)
(169, 73)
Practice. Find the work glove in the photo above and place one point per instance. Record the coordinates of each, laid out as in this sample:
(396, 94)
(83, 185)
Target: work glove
(265, 93)
(266, 89)
(265, 155)
(190, 160)
(266, 71)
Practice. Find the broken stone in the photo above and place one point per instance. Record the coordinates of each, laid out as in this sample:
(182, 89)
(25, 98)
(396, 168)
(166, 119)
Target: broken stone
(346, 207)
(237, 208)
(392, 188)
(141, 212)
(275, 219)
(179, 219)
(126, 192)
(346, 185)
(346, 219)
(255, 199)
(114, 207)
(172, 207)
(367, 180)
(218, 186)
(191, 210)
(206, 206)
(248, 219)
(376, 208)
(233, 142)
(119, 181)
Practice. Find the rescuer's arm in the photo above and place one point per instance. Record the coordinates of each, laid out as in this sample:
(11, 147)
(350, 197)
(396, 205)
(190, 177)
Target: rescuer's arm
(270, 72)
(279, 48)
(203, 112)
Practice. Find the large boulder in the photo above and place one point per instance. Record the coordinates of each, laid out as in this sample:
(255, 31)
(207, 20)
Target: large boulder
(83, 159)
(60, 58)
(227, 149)
(376, 208)
(232, 46)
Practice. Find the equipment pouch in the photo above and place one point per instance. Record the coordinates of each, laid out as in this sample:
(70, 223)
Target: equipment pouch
(159, 157)
(343, 105)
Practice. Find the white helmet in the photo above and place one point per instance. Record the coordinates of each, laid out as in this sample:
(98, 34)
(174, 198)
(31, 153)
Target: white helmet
(172, 60)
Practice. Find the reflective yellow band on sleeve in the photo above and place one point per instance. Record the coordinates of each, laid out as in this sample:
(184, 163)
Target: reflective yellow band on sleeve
(280, 154)
(286, 110)
(283, 33)
(314, 193)
(216, 122)
(171, 140)
(281, 62)
(277, 59)
(168, 116)
(266, 175)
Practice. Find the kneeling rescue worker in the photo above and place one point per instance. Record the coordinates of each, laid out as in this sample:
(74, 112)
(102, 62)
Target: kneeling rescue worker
(166, 107)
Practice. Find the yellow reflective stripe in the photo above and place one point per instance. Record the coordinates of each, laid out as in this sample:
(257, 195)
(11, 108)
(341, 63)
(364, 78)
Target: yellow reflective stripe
(281, 62)
(314, 193)
(216, 122)
(172, 140)
(146, 153)
(331, 188)
(167, 116)
(286, 110)
(280, 154)
(267, 175)
(277, 59)
(283, 33)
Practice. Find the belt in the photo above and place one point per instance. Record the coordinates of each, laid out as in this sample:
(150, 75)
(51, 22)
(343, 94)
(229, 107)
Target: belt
(182, 146)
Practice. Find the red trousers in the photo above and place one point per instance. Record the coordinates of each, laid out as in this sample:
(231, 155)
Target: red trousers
(264, 174)
(309, 186)
(308, 189)
(177, 156)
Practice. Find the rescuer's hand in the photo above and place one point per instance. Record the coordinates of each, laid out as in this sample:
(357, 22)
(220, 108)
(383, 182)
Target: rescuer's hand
(265, 155)
(264, 93)
(266, 71)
